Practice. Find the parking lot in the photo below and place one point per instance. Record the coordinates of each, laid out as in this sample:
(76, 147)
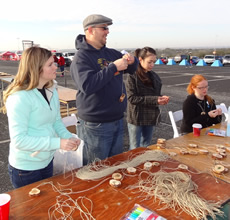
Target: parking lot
(175, 80)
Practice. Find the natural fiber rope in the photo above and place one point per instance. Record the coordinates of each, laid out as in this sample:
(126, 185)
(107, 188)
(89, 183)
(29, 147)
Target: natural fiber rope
(177, 191)
(93, 171)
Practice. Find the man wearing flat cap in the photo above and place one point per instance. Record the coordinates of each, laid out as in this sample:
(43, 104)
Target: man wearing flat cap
(101, 97)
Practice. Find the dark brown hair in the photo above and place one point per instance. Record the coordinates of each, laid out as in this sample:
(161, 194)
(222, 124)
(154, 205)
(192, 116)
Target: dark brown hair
(144, 53)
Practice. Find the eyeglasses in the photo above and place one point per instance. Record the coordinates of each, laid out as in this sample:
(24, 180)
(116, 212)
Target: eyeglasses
(104, 28)
(202, 88)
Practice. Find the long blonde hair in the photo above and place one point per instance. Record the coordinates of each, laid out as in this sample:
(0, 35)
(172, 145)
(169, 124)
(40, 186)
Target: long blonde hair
(193, 83)
(30, 67)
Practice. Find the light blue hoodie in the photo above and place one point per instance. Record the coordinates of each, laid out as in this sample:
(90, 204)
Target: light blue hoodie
(34, 126)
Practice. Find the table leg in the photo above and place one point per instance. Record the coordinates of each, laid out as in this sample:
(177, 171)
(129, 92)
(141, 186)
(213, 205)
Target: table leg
(67, 109)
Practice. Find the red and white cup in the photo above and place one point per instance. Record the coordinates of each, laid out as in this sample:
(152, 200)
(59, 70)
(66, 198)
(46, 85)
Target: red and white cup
(4, 206)
(196, 129)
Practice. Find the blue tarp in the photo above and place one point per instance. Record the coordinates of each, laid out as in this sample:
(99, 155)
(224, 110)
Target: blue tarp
(159, 62)
(217, 63)
(184, 62)
(201, 63)
(171, 62)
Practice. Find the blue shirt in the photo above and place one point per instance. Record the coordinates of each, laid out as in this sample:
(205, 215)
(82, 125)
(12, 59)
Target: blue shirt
(34, 126)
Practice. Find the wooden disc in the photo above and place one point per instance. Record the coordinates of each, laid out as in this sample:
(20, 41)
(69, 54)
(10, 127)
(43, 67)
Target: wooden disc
(202, 151)
(148, 165)
(131, 170)
(117, 176)
(34, 192)
(193, 145)
(184, 152)
(161, 140)
(218, 169)
(183, 167)
(220, 146)
(114, 183)
(192, 152)
(217, 156)
(220, 150)
(156, 164)
(223, 154)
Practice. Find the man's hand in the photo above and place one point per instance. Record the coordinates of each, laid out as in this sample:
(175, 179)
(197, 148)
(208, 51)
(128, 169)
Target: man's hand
(130, 58)
(121, 64)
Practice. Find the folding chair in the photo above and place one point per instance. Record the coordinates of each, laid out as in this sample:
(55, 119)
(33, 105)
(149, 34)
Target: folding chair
(175, 117)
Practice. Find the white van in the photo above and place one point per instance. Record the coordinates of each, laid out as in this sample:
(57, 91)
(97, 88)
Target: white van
(69, 55)
(209, 59)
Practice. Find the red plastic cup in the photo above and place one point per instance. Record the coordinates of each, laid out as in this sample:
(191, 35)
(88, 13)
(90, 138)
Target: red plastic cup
(196, 129)
(4, 206)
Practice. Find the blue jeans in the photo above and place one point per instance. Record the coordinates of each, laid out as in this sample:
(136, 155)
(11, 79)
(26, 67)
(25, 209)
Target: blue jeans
(21, 178)
(62, 69)
(101, 140)
(140, 136)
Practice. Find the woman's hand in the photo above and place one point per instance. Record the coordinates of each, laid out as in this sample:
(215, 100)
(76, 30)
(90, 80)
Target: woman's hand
(70, 144)
(163, 100)
(214, 113)
(219, 111)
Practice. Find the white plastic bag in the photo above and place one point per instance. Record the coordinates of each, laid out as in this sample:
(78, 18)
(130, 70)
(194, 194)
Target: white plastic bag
(65, 161)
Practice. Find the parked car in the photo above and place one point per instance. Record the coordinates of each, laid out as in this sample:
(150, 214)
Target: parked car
(209, 59)
(68, 61)
(194, 60)
(220, 58)
(226, 59)
(69, 55)
(164, 59)
(58, 54)
(179, 58)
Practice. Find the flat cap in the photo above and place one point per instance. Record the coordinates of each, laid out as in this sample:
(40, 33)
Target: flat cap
(96, 19)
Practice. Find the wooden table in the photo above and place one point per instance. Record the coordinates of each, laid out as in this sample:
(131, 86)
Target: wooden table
(108, 202)
(202, 163)
(66, 95)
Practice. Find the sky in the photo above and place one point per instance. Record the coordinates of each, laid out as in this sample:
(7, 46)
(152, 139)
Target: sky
(136, 23)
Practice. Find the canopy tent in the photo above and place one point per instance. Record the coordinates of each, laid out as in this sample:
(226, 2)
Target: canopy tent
(8, 56)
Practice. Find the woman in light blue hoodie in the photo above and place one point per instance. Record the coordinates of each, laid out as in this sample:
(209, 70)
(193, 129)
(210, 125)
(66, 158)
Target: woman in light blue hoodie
(35, 125)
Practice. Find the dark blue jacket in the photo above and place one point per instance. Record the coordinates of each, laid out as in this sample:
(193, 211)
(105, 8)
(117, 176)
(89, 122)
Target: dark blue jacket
(98, 83)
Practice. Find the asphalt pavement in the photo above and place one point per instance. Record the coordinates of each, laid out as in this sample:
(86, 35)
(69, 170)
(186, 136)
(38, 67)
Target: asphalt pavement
(175, 80)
